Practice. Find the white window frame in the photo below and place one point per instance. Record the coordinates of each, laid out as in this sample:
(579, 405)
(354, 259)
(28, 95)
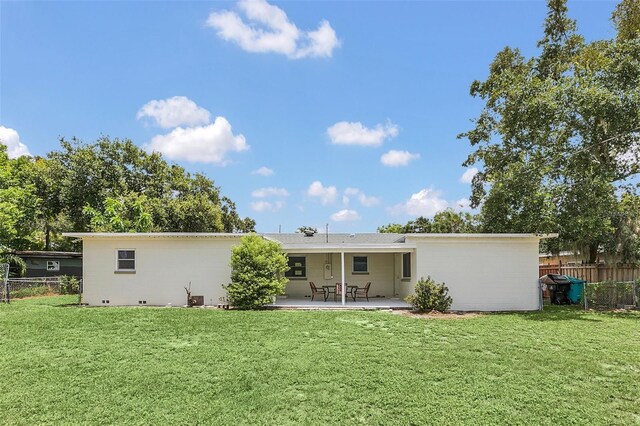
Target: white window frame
(406, 275)
(353, 265)
(135, 263)
(297, 277)
(53, 265)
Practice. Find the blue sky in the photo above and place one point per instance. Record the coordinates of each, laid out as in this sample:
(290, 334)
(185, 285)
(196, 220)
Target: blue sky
(305, 113)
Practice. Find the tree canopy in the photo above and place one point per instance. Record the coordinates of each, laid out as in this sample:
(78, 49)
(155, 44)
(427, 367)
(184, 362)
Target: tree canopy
(445, 222)
(110, 186)
(558, 139)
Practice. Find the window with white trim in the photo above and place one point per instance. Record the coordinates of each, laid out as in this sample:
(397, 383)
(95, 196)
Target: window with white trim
(360, 264)
(406, 265)
(125, 260)
(53, 265)
(297, 267)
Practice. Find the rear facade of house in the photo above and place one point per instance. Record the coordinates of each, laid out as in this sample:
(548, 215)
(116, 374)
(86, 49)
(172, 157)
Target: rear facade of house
(484, 272)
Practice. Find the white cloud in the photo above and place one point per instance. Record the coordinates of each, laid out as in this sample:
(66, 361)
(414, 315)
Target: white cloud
(467, 176)
(263, 171)
(365, 200)
(266, 206)
(345, 215)
(368, 201)
(327, 195)
(11, 139)
(270, 192)
(321, 42)
(463, 204)
(174, 112)
(427, 203)
(354, 133)
(202, 144)
(395, 158)
(269, 30)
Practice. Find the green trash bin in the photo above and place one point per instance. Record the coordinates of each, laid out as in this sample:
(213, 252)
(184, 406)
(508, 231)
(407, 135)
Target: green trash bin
(576, 290)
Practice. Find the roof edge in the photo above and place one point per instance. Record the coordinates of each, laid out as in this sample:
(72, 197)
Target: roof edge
(270, 237)
(511, 235)
(151, 235)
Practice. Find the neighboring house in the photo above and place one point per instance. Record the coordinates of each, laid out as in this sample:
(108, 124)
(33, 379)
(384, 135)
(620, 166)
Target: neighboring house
(51, 263)
(487, 272)
(568, 258)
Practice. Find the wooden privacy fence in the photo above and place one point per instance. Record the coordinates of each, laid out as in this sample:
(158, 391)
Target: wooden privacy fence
(594, 273)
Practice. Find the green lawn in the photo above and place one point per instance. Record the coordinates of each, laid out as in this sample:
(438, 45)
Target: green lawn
(62, 365)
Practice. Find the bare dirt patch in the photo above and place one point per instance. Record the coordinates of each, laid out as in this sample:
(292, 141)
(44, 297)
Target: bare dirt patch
(438, 315)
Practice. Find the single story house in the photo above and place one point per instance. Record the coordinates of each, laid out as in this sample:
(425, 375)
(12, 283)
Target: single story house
(51, 263)
(484, 272)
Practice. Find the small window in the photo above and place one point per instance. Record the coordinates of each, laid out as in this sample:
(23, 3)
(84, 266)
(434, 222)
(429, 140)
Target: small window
(406, 265)
(297, 267)
(360, 265)
(126, 260)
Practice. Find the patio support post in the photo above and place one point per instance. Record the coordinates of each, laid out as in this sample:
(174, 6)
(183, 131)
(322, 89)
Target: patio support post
(344, 300)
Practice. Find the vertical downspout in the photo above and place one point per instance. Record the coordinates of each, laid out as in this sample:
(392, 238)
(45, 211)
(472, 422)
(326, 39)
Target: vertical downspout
(395, 272)
(540, 296)
(344, 301)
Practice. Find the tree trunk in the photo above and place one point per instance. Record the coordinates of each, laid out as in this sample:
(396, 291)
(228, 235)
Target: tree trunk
(47, 237)
(593, 253)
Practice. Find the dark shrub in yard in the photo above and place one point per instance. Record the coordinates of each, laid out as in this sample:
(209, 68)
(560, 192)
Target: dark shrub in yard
(430, 296)
(257, 276)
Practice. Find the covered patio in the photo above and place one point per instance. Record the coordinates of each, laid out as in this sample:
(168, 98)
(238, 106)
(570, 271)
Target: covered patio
(326, 269)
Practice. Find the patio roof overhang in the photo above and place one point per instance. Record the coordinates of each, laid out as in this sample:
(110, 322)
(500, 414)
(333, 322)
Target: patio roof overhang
(349, 248)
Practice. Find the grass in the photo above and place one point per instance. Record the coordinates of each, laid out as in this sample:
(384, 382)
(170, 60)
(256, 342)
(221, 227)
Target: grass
(70, 365)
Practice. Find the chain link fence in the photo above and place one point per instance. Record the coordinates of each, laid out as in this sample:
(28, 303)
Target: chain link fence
(4, 284)
(18, 288)
(612, 295)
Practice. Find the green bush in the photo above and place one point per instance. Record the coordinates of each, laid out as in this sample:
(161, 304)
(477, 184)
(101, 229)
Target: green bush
(258, 266)
(430, 296)
(69, 285)
(17, 266)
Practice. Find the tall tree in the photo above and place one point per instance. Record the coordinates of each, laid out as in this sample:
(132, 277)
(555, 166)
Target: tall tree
(447, 221)
(114, 185)
(110, 185)
(18, 202)
(626, 19)
(124, 214)
(558, 136)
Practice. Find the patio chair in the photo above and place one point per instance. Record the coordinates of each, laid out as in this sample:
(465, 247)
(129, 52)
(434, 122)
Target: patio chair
(316, 291)
(362, 291)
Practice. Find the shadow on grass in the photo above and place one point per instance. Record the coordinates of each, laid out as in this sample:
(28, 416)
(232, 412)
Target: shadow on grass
(577, 313)
(67, 300)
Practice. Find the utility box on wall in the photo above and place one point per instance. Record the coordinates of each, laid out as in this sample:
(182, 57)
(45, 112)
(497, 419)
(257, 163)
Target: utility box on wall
(327, 271)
